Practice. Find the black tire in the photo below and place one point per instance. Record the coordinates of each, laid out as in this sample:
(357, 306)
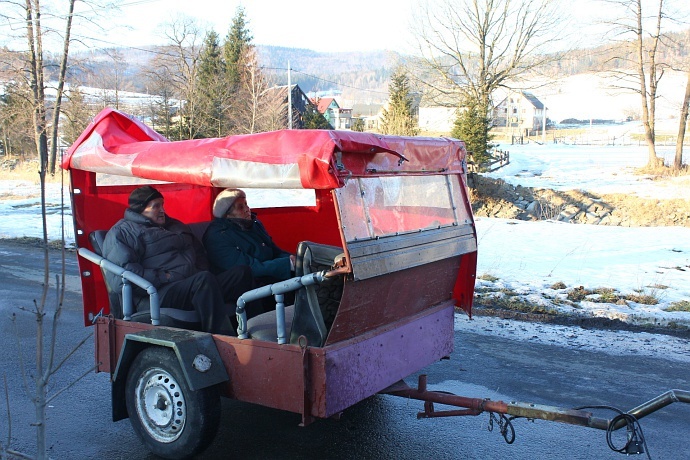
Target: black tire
(155, 384)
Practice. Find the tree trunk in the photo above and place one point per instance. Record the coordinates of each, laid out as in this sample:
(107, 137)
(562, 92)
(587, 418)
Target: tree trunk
(61, 85)
(35, 42)
(678, 160)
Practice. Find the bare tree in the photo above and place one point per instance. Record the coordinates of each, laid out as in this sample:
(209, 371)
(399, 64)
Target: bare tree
(470, 48)
(639, 34)
(678, 159)
(255, 112)
(77, 114)
(111, 79)
(34, 69)
(180, 62)
(61, 84)
(275, 109)
(16, 122)
(162, 109)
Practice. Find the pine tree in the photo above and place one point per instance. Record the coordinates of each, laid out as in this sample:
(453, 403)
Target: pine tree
(312, 119)
(358, 125)
(472, 126)
(399, 118)
(236, 43)
(213, 93)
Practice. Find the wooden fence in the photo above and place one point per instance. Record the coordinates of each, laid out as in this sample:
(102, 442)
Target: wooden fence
(497, 159)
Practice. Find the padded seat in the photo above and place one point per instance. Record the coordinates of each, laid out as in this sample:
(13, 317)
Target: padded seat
(263, 326)
(305, 317)
(173, 317)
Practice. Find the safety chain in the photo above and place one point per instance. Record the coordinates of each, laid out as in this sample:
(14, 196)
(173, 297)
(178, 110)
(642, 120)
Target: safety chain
(504, 424)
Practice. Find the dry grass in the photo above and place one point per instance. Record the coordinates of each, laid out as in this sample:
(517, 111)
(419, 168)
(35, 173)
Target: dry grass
(683, 305)
(488, 277)
(662, 171)
(495, 198)
(513, 304)
(578, 294)
(644, 299)
(606, 295)
(26, 170)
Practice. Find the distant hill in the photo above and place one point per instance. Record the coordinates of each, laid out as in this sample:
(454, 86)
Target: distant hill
(573, 86)
(356, 76)
(360, 76)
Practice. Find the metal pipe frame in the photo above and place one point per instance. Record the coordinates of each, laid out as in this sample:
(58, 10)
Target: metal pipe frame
(476, 406)
(128, 278)
(277, 290)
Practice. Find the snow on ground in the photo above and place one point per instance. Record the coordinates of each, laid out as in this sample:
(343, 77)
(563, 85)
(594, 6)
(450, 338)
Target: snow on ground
(616, 343)
(530, 257)
(526, 258)
(594, 168)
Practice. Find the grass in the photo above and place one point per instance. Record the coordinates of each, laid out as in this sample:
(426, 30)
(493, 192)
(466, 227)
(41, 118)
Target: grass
(488, 277)
(663, 171)
(644, 299)
(578, 294)
(606, 295)
(28, 170)
(683, 305)
(513, 303)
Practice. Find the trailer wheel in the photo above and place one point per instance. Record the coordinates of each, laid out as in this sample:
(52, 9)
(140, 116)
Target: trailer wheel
(171, 420)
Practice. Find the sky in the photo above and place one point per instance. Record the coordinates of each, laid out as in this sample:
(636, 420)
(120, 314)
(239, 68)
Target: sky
(357, 25)
(526, 257)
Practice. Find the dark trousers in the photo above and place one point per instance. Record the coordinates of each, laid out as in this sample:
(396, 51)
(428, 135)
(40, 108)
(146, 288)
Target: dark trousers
(214, 297)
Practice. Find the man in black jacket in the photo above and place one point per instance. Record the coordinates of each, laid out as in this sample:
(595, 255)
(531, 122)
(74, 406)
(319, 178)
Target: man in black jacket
(165, 252)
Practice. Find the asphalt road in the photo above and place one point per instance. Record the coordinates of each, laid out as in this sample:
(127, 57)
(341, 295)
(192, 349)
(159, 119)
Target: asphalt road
(382, 427)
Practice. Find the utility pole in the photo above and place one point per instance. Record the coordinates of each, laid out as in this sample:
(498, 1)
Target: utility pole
(289, 99)
(543, 125)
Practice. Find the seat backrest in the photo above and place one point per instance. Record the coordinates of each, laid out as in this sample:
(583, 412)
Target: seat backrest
(188, 319)
(308, 319)
(199, 228)
(96, 238)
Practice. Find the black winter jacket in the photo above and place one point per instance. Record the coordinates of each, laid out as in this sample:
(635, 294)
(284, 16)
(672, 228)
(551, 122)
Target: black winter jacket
(159, 254)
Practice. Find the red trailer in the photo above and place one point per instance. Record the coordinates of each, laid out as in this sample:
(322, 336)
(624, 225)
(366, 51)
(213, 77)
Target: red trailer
(384, 221)
(384, 233)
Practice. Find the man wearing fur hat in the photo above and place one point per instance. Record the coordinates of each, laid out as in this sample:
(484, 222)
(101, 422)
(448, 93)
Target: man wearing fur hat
(165, 252)
(236, 237)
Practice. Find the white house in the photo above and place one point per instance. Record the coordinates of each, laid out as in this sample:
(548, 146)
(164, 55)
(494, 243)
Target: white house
(521, 111)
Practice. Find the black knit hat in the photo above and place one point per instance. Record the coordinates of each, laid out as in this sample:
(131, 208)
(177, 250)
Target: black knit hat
(141, 196)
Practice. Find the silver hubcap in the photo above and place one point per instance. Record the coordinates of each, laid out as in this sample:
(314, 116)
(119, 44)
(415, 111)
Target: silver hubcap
(160, 405)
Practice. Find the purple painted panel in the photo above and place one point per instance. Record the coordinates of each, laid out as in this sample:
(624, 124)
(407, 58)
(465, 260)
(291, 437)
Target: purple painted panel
(361, 369)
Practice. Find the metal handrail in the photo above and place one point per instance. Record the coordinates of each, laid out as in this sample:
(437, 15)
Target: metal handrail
(128, 278)
(278, 290)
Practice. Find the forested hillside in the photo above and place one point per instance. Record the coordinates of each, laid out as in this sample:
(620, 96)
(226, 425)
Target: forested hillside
(361, 76)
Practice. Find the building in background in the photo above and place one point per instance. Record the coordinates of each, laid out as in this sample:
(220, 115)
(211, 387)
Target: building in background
(520, 112)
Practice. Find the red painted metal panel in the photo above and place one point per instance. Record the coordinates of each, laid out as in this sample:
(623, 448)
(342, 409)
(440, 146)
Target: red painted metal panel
(371, 303)
(339, 376)
(263, 373)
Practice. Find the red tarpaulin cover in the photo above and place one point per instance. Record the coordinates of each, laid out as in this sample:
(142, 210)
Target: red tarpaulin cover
(119, 144)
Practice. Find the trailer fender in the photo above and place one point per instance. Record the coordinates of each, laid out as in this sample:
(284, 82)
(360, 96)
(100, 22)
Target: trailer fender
(196, 351)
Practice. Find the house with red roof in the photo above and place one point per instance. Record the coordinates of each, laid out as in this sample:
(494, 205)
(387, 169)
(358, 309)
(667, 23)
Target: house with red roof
(339, 118)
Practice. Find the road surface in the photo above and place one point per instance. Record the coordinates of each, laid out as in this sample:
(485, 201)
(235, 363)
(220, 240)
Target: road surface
(382, 427)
